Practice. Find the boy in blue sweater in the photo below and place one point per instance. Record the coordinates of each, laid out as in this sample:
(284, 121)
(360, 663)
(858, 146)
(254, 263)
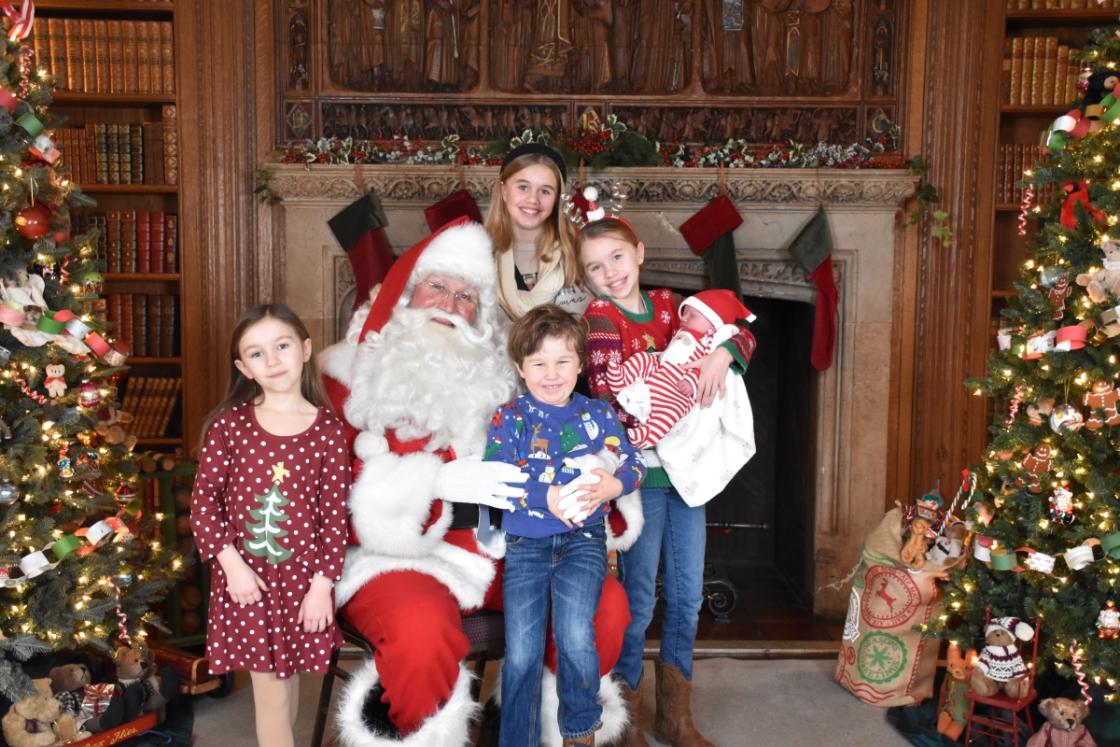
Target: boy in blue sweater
(556, 555)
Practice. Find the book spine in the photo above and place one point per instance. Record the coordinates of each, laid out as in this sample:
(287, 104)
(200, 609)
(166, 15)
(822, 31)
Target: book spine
(167, 56)
(128, 241)
(71, 30)
(168, 334)
(125, 145)
(136, 140)
(156, 241)
(152, 323)
(40, 42)
(140, 324)
(116, 57)
(171, 237)
(155, 58)
(126, 331)
(87, 54)
(1015, 87)
(128, 44)
(101, 55)
(170, 145)
(143, 59)
(57, 43)
(1061, 71)
(143, 242)
(1049, 65)
(113, 228)
(169, 408)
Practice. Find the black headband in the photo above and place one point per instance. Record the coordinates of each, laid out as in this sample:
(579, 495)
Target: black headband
(542, 149)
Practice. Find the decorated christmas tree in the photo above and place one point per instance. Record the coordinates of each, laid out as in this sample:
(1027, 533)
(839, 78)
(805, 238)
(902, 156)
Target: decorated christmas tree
(1046, 516)
(78, 562)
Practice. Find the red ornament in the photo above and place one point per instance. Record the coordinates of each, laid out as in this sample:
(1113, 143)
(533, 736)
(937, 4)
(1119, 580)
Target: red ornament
(33, 222)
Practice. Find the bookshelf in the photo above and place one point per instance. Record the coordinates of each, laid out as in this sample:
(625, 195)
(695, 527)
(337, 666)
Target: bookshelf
(1038, 83)
(114, 65)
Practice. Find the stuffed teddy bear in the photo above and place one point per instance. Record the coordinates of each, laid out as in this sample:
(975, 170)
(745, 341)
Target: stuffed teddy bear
(953, 710)
(1000, 666)
(37, 720)
(144, 690)
(913, 552)
(68, 683)
(1063, 727)
(1104, 283)
(55, 383)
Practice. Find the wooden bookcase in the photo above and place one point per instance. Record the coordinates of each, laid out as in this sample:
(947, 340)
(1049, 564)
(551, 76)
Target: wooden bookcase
(1022, 118)
(115, 65)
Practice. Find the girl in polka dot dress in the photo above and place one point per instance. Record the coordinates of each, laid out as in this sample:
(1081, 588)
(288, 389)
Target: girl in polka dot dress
(269, 508)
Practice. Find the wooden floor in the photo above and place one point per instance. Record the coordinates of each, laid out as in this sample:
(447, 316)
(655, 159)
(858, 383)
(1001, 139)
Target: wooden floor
(767, 609)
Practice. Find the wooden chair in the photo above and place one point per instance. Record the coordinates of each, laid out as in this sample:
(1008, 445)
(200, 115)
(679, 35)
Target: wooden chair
(993, 725)
(485, 630)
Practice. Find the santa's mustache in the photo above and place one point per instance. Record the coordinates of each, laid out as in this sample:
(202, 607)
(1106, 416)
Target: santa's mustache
(416, 319)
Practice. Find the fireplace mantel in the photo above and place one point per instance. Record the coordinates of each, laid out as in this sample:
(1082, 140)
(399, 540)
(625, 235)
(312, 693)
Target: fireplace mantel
(851, 435)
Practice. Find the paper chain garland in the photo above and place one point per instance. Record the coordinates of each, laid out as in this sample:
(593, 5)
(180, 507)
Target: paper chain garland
(63, 322)
(1075, 558)
(36, 563)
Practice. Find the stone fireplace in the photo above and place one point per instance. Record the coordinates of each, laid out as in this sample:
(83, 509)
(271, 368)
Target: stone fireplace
(847, 437)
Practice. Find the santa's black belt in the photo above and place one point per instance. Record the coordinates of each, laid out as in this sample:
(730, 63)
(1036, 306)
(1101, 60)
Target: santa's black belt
(465, 516)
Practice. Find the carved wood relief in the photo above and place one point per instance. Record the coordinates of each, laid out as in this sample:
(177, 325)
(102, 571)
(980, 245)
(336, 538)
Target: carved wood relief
(691, 70)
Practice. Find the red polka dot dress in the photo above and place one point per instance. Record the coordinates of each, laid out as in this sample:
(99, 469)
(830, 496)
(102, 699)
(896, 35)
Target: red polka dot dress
(281, 501)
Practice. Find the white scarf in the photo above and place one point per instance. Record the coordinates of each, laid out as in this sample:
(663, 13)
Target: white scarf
(517, 302)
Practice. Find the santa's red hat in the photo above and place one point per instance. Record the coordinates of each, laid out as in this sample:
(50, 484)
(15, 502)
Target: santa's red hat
(461, 249)
(718, 306)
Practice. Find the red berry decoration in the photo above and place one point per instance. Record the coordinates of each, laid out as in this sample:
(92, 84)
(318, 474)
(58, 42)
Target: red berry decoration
(33, 222)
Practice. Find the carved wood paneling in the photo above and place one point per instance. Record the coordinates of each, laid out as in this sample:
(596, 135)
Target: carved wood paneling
(957, 136)
(700, 70)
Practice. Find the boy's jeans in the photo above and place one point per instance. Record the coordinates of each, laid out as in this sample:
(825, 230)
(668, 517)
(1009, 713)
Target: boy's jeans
(675, 533)
(564, 572)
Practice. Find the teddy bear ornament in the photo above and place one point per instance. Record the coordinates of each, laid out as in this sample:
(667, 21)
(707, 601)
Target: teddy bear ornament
(1000, 666)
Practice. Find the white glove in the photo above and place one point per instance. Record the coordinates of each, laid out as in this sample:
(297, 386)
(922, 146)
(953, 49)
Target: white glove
(571, 506)
(471, 480)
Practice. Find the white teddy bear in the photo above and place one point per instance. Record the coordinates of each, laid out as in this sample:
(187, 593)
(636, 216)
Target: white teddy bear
(1104, 283)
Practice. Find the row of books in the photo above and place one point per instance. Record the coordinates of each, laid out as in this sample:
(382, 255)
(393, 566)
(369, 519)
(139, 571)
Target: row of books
(145, 323)
(1014, 159)
(151, 402)
(104, 153)
(1060, 4)
(134, 240)
(90, 55)
(1039, 71)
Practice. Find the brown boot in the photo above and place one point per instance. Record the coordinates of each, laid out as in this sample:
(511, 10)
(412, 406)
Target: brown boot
(633, 736)
(674, 713)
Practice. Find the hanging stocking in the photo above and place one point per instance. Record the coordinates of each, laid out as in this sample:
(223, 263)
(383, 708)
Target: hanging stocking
(455, 205)
(812, 248)
(360, 229)
(708, 234)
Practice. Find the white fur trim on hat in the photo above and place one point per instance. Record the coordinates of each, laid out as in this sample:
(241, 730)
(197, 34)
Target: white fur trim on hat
(1012, 625)
(463, 251)
(447, 727)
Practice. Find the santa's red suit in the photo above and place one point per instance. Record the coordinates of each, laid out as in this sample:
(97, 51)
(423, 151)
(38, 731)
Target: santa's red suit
(416, 396)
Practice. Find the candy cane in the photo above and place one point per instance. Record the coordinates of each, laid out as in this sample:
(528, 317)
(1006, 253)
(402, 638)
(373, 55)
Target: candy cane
(41, 399)
(1013, 409)
(1076, 660)
(122, 618)
(1028, 196)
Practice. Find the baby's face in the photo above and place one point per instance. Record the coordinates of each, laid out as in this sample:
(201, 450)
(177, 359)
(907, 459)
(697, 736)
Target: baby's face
(694, 320)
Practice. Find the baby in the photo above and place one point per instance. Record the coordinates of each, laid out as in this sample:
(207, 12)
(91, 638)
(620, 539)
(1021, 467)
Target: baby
(704, 447)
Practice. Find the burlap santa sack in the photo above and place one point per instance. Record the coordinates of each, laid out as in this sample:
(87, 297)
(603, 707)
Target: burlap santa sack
(884, 660)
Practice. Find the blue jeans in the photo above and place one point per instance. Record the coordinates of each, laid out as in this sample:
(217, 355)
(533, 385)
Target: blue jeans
(674, 533)
(565, 571)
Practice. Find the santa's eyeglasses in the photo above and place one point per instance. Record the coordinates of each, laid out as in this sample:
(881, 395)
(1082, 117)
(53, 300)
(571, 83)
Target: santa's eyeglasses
(441, 291)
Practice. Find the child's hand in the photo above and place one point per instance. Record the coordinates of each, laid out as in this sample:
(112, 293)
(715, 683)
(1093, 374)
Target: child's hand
(554, 499)
(713, 375)
(316, 612)
(578, 506)
(243, 585)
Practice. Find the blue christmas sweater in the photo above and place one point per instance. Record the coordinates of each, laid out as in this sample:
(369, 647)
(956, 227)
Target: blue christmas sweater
(538, 438)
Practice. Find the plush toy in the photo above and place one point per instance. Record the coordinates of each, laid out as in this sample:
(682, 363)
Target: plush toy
(55, 383)
(1063, 727)
(1104, 284)
(1038, 412)
(1037, 466)
(68, 683)
(1000, 666)
(913, 552)
(953, 709)
(144, 690)
(37, 720)
(1101, 82)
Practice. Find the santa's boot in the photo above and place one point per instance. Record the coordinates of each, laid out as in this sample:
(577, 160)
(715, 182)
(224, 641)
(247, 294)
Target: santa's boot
(633, 736)
(674, 712)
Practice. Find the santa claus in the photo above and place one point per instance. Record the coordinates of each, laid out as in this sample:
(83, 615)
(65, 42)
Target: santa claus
(416, 380)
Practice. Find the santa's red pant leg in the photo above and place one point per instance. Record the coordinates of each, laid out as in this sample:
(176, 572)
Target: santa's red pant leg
(414, 624)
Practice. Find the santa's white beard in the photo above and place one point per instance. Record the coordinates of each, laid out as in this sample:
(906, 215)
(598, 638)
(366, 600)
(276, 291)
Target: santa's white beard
(423, 378)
